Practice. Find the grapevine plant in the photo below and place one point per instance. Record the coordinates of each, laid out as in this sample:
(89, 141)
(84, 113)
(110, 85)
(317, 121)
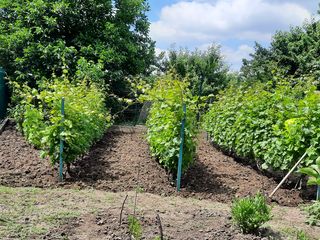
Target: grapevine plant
(273, 126)
(38, 115)
(313, 172)
(164, 122)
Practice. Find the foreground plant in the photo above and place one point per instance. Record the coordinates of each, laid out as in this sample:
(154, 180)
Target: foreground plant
(135, 227)
(313, 171)
(301, 235)
(313, 212)
(38, 115)
(250, 213)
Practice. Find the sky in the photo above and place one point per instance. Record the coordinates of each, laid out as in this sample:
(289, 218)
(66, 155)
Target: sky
(233, 24)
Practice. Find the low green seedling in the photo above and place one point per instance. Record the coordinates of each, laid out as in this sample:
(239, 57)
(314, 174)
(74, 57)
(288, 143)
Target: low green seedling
(313, 212)
(135, 227)
(301, 235)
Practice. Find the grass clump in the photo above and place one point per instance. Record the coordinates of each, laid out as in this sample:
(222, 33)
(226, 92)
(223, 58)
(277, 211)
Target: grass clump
(250, 213)
(301, 235)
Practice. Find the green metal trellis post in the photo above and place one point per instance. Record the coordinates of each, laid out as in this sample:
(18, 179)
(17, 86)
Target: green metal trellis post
(61, 144)
(181, 148)
(318, 193)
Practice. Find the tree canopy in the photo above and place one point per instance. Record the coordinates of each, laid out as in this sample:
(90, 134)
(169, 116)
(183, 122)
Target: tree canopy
(103, 41)
(293, 53)
(206, 69)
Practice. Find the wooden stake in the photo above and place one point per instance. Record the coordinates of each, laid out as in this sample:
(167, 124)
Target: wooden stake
(160, 227)
(120, 220)
(285, 178)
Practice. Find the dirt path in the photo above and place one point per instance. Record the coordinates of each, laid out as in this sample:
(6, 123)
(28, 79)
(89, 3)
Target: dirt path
(33, 213)
(115, 162)
(226, 178)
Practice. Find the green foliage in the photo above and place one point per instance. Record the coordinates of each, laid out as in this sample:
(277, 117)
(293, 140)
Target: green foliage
(102, 40)
(313, 171)
(135, 227)
(292, 53)
(301, 235)
(205, 70)
(260, 67)
(313, 212)
(164, 122)
(274, 126)
(250, 213)
(39, 117)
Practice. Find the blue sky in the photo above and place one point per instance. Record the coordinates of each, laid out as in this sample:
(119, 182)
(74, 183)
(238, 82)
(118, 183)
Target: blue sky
(233, 24)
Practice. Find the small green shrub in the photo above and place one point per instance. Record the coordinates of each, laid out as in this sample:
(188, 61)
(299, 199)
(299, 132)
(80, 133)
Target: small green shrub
(164, 123)
(313, 212)
(250, 213)
(135, 227)
(38, 115)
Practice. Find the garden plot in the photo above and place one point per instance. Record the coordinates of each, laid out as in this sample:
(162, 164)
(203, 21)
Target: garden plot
(33, 213)
(121, 162)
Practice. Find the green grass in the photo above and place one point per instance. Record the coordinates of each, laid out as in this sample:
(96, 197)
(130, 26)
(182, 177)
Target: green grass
(32, 213)
(295, 234)
(27, 213)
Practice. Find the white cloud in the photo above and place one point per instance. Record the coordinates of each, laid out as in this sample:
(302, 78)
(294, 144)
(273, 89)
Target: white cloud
(234, 56)
(204, 21)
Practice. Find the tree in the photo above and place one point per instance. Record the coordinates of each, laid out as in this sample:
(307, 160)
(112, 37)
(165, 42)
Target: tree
(205, 69)
(292, 54)
(259, 67)
(100, 40)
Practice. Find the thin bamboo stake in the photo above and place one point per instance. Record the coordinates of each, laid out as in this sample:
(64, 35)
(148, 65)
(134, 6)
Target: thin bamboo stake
(285, 178)
(124, 201)
(160, 227)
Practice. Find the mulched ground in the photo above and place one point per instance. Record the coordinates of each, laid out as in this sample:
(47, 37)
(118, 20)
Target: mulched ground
(121, 162)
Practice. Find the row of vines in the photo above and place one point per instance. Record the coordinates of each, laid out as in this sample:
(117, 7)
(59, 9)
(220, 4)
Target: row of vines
(164, 122)
(38, 116)
(272, 126)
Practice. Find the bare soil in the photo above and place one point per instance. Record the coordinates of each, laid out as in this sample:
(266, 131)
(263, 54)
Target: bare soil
(33, 213)
(121, 161)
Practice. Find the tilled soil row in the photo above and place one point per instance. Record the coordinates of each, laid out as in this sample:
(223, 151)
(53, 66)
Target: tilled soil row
(121, 161)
